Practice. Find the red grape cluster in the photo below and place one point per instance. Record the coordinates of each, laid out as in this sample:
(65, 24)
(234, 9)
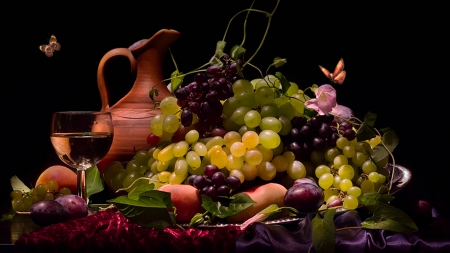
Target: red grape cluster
(202, 96)
(214, 183)
(316, 133)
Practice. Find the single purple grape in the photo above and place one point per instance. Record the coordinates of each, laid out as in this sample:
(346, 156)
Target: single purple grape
(211, 192)
(318, 143)
(233, 182)
(349, 134)
(218, 179)
(186, 117)
(223, 190)
(199, 182)
(194, 107)
(210, 170)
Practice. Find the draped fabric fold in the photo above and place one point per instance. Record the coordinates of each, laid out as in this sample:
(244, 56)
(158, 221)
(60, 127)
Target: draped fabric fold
(111, 232)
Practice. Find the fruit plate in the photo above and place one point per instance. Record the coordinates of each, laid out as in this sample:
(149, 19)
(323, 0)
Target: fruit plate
(280, 221)
(401, 178)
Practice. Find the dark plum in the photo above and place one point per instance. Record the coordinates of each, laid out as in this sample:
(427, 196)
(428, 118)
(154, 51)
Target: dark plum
(47, 212)
(74, 205)
(305, 198)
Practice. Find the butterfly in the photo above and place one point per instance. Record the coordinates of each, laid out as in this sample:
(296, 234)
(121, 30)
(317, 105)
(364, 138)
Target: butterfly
(52, 46)
(338, 75)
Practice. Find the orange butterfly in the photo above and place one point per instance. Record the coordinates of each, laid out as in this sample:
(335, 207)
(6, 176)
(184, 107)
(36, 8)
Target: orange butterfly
(52, 46)
(338, 75)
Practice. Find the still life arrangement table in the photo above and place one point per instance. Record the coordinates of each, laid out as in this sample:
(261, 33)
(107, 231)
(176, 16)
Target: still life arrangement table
(218, 160)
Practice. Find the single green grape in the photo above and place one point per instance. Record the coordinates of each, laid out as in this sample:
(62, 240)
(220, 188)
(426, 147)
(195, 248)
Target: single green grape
(269, 139)
(326, 180)
(230, 138)
(242, 85)
(169, 105)
(252, 119)
(264, 95)
(342, 142)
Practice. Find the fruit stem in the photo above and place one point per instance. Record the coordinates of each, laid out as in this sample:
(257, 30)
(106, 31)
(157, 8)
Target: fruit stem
(18, 212)
(245, 25)
(393, 162)
(265, 34)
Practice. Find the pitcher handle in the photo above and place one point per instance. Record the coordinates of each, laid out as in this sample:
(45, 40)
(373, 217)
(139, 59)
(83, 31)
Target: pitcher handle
(103, 88)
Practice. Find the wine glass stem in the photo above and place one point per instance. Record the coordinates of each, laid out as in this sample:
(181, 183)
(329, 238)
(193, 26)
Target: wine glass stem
(81, 184)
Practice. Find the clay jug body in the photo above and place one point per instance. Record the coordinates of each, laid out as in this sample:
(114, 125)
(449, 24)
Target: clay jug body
(132, 114)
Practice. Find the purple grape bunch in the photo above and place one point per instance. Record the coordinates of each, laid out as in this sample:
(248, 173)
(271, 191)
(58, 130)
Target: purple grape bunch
(202, 96)
(214, 183)
(316, 133)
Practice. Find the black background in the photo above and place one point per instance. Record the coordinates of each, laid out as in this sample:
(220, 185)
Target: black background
(395, 58)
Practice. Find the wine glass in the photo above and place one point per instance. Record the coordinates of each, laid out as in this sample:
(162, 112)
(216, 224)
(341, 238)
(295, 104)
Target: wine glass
(81, 139)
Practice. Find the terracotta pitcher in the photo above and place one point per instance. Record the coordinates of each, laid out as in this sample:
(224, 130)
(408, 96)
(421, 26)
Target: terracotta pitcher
(132, 114)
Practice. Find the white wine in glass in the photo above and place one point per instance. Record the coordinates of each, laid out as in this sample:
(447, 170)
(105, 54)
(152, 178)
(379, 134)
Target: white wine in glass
(81, 139)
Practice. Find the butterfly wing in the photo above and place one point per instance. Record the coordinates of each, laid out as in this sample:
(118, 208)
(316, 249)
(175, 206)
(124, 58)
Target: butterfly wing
(339, 67)
(48, 50)
(325, 72)
(54, 44)
(339, 79)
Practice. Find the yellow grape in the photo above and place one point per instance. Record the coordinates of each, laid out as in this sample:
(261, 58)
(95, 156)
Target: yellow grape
(162, 166)
(234, 163)
(166, 154)
(330, 192)
(250, 172)
(289, 156)
(281, 163)
(214, 149)
(237, 149)
(192, 136)
(267, 153)
(163, 176)
(176, 179)
(250, 139)
(231, 137)
(219, 158)
(346, 172)
(269, 139)
(354, 191)
(266, 171)
(345, 184)
(350, 202)
(326, 180)
(322, 169)
(253, 156)
(296, 170)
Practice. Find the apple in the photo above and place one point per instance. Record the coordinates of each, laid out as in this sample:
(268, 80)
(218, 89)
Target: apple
(264, 195)
(186, 199)
(64, 176)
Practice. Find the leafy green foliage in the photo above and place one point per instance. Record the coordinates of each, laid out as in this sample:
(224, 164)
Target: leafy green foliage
(147, 207)
(237, 51)
(176, 80)
(285, 84)
(386, 216)
(279, 62)
(225, 207)
(152, 93)
(94, 182)
(366, 131)
(324, 232)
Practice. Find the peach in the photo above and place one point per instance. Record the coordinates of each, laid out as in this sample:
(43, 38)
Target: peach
(264, 195)
(64, 176)
(186, 199)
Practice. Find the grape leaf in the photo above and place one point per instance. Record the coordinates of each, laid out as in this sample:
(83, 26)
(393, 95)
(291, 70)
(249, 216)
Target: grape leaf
(17, 184)
(146, 207)
(94, 182)
(366, 130)
(386, 216)
(285, 84)
(176, 80)
(324, 232)
(238, 203)
(236, 51)
(279, 62)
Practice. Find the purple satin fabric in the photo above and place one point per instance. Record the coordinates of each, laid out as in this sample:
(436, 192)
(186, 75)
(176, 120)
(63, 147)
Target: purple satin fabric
(297, 238)
(112, 232)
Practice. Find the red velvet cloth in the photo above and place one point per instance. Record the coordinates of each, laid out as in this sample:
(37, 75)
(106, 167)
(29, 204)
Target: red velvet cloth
(111, 232)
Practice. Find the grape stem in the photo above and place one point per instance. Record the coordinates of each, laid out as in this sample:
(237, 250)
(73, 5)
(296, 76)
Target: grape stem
(18, 212)
(393, 162)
